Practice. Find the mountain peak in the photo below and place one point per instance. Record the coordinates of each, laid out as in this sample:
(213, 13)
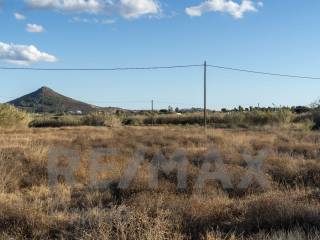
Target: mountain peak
(45, 89)
(47, 100)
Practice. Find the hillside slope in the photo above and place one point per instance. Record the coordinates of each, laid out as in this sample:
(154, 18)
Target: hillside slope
(45, 100)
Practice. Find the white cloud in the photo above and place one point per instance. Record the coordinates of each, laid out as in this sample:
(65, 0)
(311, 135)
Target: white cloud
(92, 20)
(23, 54)
(91, 6)
(34, 28)
(125, 8)
(19, 16)
(237, 10)
(137, 8)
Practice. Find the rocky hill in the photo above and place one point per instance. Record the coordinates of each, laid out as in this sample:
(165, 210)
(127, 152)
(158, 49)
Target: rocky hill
(45, 100)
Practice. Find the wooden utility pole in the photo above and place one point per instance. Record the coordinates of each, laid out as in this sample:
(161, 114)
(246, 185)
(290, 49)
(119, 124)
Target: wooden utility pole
(205, 95)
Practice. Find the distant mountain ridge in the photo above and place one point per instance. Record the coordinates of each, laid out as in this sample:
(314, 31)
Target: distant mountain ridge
(45, 100)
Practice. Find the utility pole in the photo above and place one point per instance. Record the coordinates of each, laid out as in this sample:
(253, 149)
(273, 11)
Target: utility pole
(205, 95)
(152, 112)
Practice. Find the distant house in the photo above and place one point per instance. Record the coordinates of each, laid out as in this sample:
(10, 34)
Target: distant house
(77, 112)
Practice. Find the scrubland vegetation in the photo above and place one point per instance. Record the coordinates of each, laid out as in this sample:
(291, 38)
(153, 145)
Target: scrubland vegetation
(218, 119)
(12, 117)
(288, 209)
(93, 119)
(243, 120)
(254, 119)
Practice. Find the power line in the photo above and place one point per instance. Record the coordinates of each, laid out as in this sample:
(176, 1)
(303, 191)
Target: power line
(263, 73)
(164, 67)
(101, 69)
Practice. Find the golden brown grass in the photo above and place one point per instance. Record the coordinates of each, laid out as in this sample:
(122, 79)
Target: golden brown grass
(290, 209)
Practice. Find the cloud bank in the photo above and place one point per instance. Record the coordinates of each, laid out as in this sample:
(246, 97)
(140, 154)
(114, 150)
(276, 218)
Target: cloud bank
(125, 8)
(23, 54)
(91, 6)
(138, 8)
(237, 10)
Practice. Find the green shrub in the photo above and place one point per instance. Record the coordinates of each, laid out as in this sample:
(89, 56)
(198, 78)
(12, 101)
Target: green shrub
(268, 118)
(303, 117)
(100, 119)
(12, 117)
(234, 119)
(230, 119)
(133, 121)
(55, 121)
(93, 119)
(174, 119)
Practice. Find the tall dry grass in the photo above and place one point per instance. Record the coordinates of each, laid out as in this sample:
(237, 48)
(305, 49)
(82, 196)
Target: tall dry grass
(289, 209)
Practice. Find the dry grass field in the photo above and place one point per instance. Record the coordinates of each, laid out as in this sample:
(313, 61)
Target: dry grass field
(288, 209)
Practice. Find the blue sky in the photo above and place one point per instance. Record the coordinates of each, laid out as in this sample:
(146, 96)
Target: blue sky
(276, 36)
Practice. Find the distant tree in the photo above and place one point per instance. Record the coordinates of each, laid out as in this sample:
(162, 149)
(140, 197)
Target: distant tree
(240, 108)
(177, 110)
(224, 110)
(163, 111)
(170, 109)
(300, 109)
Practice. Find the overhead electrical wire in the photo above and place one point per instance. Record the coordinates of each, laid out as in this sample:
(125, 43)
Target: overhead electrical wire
(165, 67)
(264, 73)
(101, 69)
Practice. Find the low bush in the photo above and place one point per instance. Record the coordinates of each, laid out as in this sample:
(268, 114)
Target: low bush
(174, 119)
(93, 119)
(263, 118)
(12, 117)
(224, 120)
(100, 119)
(56, 121)
(232, 119)
(133, 121)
